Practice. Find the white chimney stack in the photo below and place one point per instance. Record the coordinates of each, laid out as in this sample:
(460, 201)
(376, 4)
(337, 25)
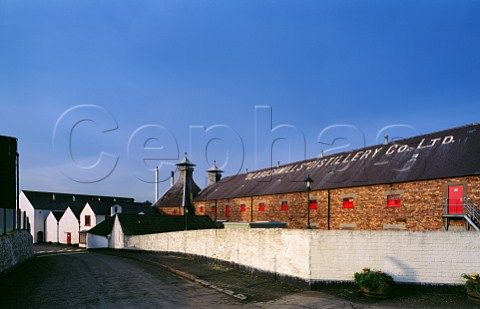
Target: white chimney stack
(156, 183)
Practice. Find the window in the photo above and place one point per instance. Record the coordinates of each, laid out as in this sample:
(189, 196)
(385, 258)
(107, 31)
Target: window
(214, 209)
(82, 238)
(175, 212)
(243, 208)
(227, 210)
(348, 202)
(393, 200)
(87, 220)
(202, 210)
(313, 204)
(261, 207)
(284, 206)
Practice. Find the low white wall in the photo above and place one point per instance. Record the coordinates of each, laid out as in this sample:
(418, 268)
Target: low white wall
(415, 257)
(96, 241)
(312, 255)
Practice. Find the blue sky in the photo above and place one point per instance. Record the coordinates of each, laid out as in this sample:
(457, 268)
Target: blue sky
(197, 77)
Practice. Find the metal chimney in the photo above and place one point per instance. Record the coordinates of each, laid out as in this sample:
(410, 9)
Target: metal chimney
(156, 183)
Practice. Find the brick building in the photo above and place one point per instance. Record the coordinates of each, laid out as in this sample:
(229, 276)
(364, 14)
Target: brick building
(427, 182)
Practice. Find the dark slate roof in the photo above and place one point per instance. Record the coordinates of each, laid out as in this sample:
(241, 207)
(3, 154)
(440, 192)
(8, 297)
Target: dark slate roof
(174, 196)
(104, 228)
(45, 200)
(151, 224)
(77, 210)
(136, 208)
(58, 214)
(56, 205)
(104, 207)
(101, 207)
(450, 153)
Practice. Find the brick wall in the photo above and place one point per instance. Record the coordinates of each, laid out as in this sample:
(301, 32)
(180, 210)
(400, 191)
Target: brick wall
(315, 255)
(422, 206)
(15, 248)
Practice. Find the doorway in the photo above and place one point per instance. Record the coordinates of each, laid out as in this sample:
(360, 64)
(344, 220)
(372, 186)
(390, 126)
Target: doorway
(455, 199)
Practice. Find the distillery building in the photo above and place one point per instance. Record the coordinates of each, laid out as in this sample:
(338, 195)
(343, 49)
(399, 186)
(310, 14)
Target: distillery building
(427, 182)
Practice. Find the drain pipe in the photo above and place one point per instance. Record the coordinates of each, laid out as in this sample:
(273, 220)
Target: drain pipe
(328, 215)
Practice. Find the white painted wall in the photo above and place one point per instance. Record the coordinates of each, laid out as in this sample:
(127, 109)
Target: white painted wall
(68, 223)
(94, 218)
(422, 257)
(96, 241)
(51, 228)
(117, 238)
(36, 224)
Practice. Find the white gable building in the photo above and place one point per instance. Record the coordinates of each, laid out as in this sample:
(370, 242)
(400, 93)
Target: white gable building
(38, 205)
(51, 226)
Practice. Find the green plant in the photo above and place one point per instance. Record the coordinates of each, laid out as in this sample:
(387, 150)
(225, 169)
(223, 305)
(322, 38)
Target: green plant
(472, 283)
(374, 280)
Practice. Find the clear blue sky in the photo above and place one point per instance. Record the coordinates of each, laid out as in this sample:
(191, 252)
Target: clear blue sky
(178, 64)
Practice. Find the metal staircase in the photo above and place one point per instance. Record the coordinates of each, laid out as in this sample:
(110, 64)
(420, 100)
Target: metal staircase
(471, 215)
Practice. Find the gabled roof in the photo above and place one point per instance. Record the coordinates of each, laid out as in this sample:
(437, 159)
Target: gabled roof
(174, 196)
(151, 224)
(444, 154)
(104, 208)
(58, 214)
(60, 201)
(136, 208)
(104, 228)
(77, 210)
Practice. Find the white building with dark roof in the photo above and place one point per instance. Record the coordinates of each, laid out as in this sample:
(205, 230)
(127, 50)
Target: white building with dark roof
(38, 205)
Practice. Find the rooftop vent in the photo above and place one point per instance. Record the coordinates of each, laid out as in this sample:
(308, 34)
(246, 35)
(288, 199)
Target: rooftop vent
(385, 139)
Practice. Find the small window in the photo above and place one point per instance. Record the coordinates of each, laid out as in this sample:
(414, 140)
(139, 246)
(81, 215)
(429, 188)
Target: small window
(201, 210)
(348, 202)
(393, 200)
(313, 204)
(261, 207)
(227, 211)
(82, 238)
(243, 208)
(214, 209)
(87, 220)
(284, 206)
(175, 212)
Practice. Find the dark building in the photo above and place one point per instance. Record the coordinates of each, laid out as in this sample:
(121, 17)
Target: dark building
(428, 182)
(8, 183)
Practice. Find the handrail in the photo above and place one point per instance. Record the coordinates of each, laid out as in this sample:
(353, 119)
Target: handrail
(472, 210)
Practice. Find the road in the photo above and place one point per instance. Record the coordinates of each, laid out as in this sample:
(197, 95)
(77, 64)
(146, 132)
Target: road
(92, 280)
(68, 277)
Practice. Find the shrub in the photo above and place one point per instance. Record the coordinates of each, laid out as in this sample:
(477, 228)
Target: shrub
(374, 280)
(472, 283)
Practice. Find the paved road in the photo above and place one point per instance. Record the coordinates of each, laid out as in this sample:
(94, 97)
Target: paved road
(92, 280)
(61, 277)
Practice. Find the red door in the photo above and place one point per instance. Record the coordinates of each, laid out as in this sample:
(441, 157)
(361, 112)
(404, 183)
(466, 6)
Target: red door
(69, 238)
(455, 199)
